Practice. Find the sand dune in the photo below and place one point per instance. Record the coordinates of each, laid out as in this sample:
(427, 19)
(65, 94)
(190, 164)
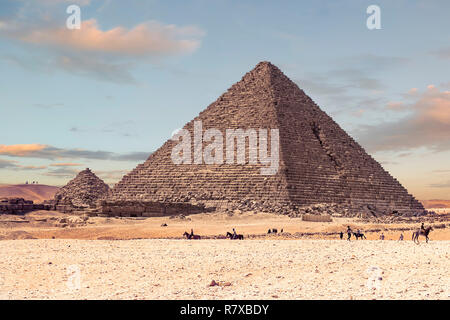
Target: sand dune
(35, 192)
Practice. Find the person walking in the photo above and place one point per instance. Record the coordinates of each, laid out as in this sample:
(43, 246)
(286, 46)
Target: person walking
(349, 233)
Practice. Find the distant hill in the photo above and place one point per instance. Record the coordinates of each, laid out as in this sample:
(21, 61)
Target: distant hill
(436, 203)
(35, 192)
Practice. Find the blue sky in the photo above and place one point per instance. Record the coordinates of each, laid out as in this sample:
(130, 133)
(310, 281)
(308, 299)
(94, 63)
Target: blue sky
(137, 70)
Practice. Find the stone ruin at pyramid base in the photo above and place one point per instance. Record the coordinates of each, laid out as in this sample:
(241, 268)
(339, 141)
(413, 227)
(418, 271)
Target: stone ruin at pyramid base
(139, 208)
(20, 206)
(161, 209)
(127, 208)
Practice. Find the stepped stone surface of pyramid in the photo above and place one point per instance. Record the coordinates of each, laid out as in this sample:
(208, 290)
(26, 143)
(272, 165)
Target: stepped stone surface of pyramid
(83, 191)
(319, 163)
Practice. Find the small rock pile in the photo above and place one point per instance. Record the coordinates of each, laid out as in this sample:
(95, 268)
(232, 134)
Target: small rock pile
(291, 210)
(83, 191)
(366, 211)
(246, 205)
(72, 221)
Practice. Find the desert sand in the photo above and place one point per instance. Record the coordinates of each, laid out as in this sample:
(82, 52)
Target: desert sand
(52, 224)
(258, 269)
(43, 253)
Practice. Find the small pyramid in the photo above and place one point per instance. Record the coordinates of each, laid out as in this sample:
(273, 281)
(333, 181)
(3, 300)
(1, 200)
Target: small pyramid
(319, 163)
(83, 191)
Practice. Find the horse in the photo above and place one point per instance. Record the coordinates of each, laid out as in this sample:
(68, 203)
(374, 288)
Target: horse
(424, 232)
(237, 237)
(191, 236)
(359, 235)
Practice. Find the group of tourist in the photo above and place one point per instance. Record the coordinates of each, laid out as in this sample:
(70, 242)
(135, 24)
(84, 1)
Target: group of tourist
(358, 234)
(233, 235)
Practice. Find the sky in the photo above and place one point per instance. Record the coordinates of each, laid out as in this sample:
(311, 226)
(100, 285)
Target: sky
(108, 94)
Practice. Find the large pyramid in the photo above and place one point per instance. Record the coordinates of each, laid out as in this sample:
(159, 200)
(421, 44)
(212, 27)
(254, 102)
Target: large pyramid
(319, 163)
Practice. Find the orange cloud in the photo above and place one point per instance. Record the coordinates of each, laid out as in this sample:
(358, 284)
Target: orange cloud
(65, 164)
(426, 125)
(49, 152)
(413, 91)
(20, 149)
(394, 105)
(435, 106)
(32, 167)
(146, 39)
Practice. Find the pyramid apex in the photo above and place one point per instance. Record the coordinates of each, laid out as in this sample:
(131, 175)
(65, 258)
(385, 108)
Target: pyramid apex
(85, 174)
(265, 69)
(266, 65)
(85, 171)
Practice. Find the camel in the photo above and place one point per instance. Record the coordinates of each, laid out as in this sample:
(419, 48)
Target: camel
(421, 232)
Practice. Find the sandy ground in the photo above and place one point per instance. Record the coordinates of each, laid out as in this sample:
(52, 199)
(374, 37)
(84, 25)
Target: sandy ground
(68, 257)
(258, 269)
(47, 225)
